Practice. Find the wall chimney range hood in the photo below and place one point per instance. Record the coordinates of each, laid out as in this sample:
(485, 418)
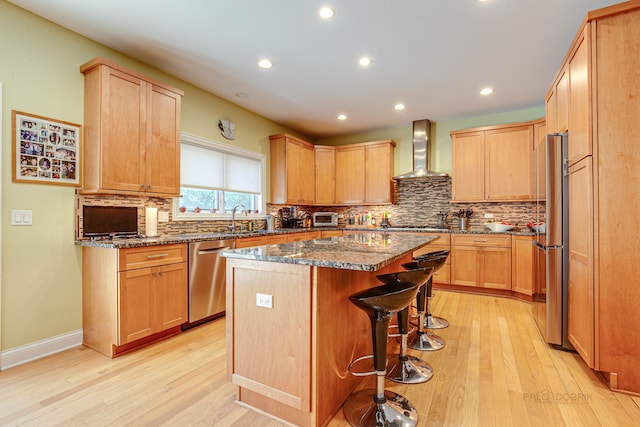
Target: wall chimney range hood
(421, 144)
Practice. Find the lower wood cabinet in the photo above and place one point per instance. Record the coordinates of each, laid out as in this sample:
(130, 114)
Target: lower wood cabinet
(522, 264)
(132, 296)
(481, 260)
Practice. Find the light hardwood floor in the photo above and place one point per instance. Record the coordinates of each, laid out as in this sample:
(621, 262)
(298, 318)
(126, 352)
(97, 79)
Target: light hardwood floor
(494, 371)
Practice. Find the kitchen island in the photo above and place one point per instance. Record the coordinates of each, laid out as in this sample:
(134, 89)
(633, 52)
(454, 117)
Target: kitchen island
(291, 330)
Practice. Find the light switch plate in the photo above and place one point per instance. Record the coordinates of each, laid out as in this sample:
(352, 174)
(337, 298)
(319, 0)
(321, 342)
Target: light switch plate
(488, 215)
(21, 217)
(163, 216)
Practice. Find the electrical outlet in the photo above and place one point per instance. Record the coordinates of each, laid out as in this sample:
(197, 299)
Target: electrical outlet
(488, 216)
(163, 216)
(264, 300)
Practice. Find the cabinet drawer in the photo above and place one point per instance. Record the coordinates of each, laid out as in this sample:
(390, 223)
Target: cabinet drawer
(151, 256)
(501, 240)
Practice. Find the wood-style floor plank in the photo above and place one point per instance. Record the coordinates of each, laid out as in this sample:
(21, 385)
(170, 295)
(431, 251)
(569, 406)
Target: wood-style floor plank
(494, 371)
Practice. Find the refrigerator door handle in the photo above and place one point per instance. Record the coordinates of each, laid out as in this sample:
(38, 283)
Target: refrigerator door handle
(539, 245)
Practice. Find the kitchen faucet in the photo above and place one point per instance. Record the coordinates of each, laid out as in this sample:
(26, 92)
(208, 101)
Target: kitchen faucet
(232, 227)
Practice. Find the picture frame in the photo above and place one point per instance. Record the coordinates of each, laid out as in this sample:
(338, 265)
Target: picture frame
(45, 150)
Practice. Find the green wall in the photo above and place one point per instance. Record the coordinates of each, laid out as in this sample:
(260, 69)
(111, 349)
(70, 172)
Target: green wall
(440, 155)
(41, 266)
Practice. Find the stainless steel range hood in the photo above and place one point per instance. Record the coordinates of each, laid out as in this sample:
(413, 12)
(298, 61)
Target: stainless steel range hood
(421, 143)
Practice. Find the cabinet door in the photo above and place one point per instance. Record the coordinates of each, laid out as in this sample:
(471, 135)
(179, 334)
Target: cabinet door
(562, 104)
(579, 105)
(539, 190)
(123, 131)
(581, 322)
(294, 186)
(306, 174)
(495, 268)
(468, 166)
(325, 167)
(465, 265)
(137, 305)
(522, 266)
(378, 173)
(162, 163)
(508, 163)
(551, 111)
(171, 295)
(350, 175)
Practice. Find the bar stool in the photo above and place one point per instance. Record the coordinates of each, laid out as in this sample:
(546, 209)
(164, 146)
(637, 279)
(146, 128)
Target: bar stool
(434, 322)
(379, 407)
(425, 340)
(406, 369)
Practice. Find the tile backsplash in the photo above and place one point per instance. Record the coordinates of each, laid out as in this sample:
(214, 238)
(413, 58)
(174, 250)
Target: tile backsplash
(417, 202)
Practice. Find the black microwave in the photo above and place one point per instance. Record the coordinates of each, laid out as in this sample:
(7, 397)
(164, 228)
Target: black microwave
(98, 221)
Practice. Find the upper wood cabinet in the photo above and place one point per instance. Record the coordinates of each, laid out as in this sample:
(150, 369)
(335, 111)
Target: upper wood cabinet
(325, 167)
(378, 172)
(494, 163)
(579, 116)
(539, 158)
(292, 163)
(350, 174)
(364, 172)
(131, 131)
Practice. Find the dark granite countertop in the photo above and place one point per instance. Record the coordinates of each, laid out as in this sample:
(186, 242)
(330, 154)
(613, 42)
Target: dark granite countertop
(359, 251)
(198, 237)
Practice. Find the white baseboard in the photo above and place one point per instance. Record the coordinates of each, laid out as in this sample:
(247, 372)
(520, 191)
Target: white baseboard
(39, 349)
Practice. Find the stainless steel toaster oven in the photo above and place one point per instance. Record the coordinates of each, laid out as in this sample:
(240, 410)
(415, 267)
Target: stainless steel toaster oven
(325, 219)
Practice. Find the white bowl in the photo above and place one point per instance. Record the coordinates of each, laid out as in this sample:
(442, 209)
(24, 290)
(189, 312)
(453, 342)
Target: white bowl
(542, 228)
(497, 227)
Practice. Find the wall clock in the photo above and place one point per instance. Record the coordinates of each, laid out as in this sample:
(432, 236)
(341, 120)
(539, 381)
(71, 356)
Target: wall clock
(228, 128)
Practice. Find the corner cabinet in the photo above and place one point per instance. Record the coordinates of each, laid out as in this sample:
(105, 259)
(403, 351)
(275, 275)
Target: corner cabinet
(131, 131)
(133, 296)
(292, 162)
(600, 73)
(494, 163)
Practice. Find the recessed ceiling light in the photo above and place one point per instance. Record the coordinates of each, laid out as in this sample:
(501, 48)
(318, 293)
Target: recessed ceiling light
(241, 94)
(487, 91)
(265, 63)
(399, 107)
(342, 117)
(365, 61)
(327, 13)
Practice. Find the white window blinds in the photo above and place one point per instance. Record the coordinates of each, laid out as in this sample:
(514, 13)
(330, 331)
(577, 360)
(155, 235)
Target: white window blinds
(213, 168)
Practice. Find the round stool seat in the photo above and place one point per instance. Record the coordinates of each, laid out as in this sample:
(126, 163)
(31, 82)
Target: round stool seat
(390, 297)
(430, 255)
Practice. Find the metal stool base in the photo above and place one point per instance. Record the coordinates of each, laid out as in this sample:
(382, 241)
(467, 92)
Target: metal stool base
(435, 322)
(412, 371)
(426, 341)
(360, 410)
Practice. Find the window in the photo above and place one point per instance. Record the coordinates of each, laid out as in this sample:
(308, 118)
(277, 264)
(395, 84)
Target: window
(215, 177)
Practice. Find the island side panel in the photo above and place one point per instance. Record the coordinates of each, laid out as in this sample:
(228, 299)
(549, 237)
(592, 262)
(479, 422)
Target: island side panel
(269, 349)
(342, 333)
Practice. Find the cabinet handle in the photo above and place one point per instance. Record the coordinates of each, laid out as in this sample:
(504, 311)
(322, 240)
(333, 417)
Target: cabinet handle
(160, 274)
(480, 240)
(157, 256)
(148, 186)
(153, 274)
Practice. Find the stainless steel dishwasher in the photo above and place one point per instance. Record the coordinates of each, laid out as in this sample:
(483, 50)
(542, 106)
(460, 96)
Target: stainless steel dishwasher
(207, 280)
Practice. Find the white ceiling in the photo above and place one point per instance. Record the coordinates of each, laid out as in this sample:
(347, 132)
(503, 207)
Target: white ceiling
(432, 55)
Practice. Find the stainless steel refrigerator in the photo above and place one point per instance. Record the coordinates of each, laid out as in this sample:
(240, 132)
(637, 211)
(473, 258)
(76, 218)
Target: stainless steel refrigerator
(552, 248)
